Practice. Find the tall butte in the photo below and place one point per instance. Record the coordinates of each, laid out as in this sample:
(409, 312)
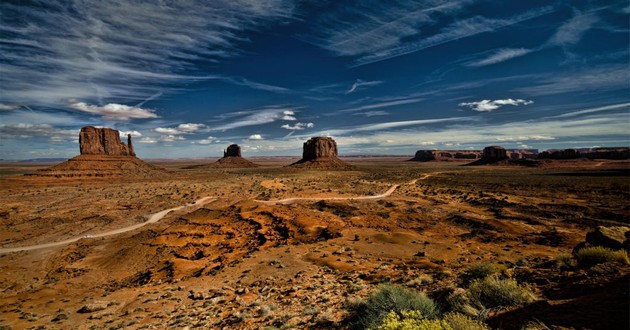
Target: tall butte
(103, 154)
(232, 158)
(320, 152)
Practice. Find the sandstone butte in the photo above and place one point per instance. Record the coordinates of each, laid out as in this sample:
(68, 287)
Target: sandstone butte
(320, 152)
(103, 154)
(232, 159)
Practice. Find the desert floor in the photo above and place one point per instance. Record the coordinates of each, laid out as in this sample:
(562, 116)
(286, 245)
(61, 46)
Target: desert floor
(280, 247)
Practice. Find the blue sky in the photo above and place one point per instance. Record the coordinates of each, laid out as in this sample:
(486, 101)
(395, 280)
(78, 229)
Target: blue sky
(187, 78)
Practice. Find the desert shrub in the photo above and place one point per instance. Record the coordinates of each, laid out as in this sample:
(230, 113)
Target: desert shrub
(493, 292)
(594, 255)
(535, 325)
(459, 302)
(462, 322)
(477, 272)
(565, 261)
(369, 313)
(411, 320)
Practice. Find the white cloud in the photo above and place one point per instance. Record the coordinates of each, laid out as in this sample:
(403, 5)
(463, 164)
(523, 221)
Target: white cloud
(500, 55)
(148, 140)
(171, 138)
(8, 107)
(188, 128)
(361, 84)
(114, 111)
(298, 126)
(133, 133)
(209, 140)
(491, 105)
(166, 130)
(255, 137)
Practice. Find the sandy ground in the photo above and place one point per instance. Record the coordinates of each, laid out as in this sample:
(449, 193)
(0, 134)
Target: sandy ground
(279, 247)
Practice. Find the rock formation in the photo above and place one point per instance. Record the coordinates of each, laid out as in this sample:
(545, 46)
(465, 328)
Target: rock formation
(560, 154)
(233, 150)
(232, 159)
(445, 155)
(493, 154)
(320, 152)
(104, 141)
(102, 155)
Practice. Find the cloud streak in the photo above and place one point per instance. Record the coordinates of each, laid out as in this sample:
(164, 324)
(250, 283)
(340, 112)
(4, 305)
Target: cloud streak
(491, 105)
(103, 52)
(114, 111)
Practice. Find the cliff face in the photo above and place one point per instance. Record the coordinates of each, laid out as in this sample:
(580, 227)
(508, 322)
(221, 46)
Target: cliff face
(233, 150)
(103, 141)
(319, 147)
(320, 152)
(494, 154)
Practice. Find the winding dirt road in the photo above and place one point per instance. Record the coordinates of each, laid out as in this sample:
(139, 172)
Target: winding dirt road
(152, 219)
(389, 191)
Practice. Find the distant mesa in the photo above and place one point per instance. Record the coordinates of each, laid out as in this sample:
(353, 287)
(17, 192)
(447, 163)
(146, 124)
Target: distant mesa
(232, 159)
(445, 155)
(497, 155)
(102, 155)
(233, 150)
(494, 154)
(320, 152)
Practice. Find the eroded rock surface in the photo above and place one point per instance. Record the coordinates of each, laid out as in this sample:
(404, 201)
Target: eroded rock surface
(104, 141)
(233, 150)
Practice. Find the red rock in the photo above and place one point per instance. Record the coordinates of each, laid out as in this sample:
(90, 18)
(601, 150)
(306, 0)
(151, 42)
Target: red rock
(320, 152)
(233, 150)
(103, 141)
(493, 154)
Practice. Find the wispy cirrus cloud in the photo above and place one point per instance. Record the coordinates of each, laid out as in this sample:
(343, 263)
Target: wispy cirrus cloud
(491, 105)
(499, 56)
(588, 80)
(255, 117)
(107, 52)
(385, 32)
(571, 31)
(385, 104)
(362, 84)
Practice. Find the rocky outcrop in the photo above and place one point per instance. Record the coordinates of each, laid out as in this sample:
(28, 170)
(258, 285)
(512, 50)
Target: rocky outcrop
(424, 156)
(560, 154)
(320, 152)
(319, 147)
(102, 155)
(233, 150)
(493, 154)
(615, 237)
(445, 155)
(103, 141)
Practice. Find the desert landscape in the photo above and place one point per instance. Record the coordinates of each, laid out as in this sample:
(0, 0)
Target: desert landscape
(300, 244)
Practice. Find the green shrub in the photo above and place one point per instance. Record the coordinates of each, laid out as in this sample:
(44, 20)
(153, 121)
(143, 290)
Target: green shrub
(369, 313)
(477, 272)
(594, 255)
(462, 322)
(565, 261)
(493, 292)
(411, 320)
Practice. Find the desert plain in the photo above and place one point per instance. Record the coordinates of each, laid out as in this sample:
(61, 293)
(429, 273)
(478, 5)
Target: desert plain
(278, 247)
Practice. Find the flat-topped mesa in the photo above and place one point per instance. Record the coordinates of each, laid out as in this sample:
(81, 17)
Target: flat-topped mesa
(319, 147)
(233, 150)
(493, 154)
(104, 141)
(320, 152)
